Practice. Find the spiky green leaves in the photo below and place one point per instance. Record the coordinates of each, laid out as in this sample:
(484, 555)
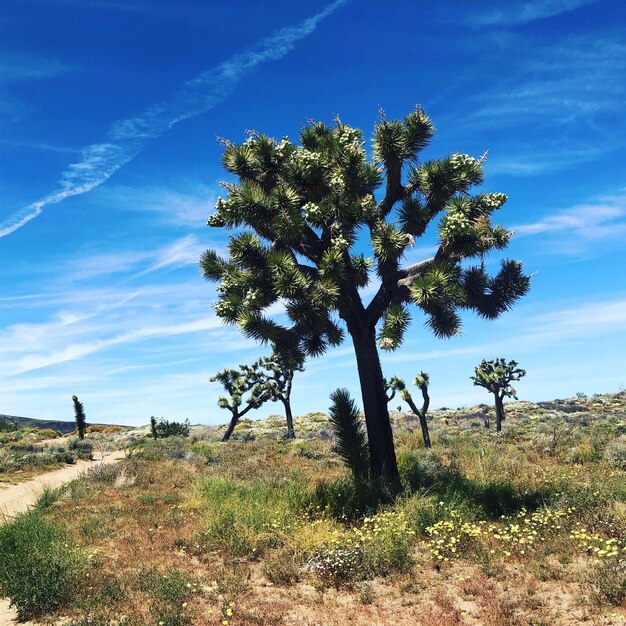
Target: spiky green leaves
(212, 265)
(361, 266)
(422, 380)
(439, 181)
(465, 230)
(396, 141)
(414, 216)
(388, 242)
(439, 294)
(350, 439)
(419, 130)
(396, 321)
(491, 296)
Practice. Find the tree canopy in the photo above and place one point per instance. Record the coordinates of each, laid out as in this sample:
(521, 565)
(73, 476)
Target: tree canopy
(301, 215)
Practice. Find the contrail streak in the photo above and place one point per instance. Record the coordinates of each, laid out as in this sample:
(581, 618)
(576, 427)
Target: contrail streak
(127, 138)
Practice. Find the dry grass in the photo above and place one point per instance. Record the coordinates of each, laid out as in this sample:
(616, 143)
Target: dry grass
(190, 532)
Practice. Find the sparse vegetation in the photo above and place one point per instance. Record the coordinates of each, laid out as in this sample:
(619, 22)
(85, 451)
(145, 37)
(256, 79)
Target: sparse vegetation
(25, 452)
(509, 529)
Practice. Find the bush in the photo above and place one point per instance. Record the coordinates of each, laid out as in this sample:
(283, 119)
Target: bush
(204, 451)
(615, 453)
(608, 580)
(586, 451)
(39, 569)
(83, 449)
(282, 567)
(339, 565)
(164, 428)
(104, 429)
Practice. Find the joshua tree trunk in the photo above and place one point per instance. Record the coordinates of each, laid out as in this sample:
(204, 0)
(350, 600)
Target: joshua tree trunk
(499, 412)
(422, 418)
(379, 434)
(291, 433)
(425, 433)
(231, 426)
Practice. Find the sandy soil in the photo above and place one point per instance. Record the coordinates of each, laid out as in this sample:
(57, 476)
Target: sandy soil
(15, 499)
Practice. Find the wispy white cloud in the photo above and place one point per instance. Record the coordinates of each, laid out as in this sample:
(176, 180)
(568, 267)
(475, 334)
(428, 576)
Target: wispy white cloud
(76, 351)
(126, 138)
(524, 160)
(88, 321)
(529, 11)
(134, 263)
(582, 79)
(601, 220)
(20, 66)
(33, 145)
(184, 251)
(188, 205)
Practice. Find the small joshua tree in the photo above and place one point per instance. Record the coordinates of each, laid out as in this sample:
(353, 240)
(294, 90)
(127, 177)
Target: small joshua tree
(153, 427)
(275, 374)
(496, 376)
(238, 383)
(350, 439)
(79, 416)
(421, 381)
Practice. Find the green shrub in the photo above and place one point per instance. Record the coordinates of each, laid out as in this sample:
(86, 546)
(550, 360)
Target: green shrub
(388, 543)
(165, 428)
(39, 569)
(281, 567)
(615, 453)
(608, 581)
(83, 449)
(339, 565)
(204, 451)
(587, 451)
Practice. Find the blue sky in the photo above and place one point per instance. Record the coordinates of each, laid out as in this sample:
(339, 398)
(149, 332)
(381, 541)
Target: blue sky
(109, 113)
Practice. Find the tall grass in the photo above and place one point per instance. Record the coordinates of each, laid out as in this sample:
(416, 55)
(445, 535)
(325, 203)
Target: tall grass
(39, 568)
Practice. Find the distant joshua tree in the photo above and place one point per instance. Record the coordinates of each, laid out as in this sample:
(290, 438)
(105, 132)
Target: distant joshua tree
(245, 391)
(496, 376)
(275, 373)
(79, 416)
(421, 381)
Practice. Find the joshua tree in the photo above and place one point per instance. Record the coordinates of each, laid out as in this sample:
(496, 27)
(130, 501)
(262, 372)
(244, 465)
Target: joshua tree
(153, 427)
(302, 216)
(350, 440)
(238, 383)
(79, 416)
(276, 375)
(421, 381)
(496, 376)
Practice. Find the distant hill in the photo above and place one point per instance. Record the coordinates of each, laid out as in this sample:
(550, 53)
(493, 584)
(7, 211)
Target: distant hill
(24, 422)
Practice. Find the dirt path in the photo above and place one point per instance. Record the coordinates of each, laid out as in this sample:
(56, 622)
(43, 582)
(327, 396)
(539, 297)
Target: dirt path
(18, 498)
